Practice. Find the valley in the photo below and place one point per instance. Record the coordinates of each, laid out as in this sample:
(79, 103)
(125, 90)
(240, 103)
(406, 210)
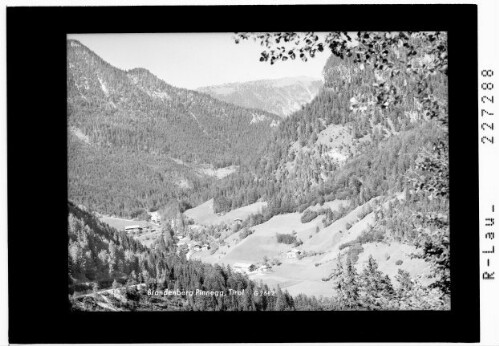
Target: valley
(303, 269)
(306, 268)
(331, 195)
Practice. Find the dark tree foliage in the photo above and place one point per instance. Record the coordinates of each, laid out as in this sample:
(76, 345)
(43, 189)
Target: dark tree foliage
(308, 216)
(245, 233)
(285, 238)
(99, 253)
(347, 285)
(416, 55)
(377, 287)
(423, 221)
(373, 290)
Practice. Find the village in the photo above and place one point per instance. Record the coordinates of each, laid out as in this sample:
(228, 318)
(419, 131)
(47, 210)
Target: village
(228, 239)
(191, 240)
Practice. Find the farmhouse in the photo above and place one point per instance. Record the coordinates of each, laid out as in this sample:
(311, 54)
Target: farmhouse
(197, 228)
(194, 244)
(263, 269)
(133, 228)
(242, 267)
(155, 217)
(293, 253)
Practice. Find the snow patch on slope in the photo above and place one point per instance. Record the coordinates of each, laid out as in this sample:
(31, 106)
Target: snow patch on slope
(79, 134)
(336, 155)
(218, 173)
(157, 94)
(103, 86)
(257, 118)
(183, 183)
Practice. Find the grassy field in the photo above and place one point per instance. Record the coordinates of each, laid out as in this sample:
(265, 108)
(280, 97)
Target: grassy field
(204, 214)
(219, 173)
(387, 256)
(120, 224)
(305, 275)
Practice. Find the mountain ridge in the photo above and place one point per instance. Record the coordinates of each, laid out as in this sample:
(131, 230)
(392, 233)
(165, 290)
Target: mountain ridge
(281, 96)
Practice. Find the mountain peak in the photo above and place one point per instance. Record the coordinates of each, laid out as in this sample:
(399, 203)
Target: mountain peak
(139, 71)
(74, 43)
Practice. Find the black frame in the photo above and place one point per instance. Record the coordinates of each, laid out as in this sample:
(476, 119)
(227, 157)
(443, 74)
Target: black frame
(37, 178)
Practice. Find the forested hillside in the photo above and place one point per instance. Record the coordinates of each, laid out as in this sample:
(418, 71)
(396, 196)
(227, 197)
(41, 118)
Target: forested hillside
(306, 160)
(101, 258)
(279, 96)
(387, 95)
(116, 115)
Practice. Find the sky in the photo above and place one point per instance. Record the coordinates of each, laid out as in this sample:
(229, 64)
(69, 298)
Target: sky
(192, 60)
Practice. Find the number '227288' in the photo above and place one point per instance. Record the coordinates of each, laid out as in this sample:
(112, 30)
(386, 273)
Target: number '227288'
(487, 101)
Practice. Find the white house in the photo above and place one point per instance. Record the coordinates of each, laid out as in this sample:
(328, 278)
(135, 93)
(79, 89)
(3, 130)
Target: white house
(241, 267)
(293, 253)
(263, 269)
(155, 217)
(197, 228)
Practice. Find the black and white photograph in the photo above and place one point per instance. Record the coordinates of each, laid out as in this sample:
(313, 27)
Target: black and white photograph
(251, 173)
(258, 171)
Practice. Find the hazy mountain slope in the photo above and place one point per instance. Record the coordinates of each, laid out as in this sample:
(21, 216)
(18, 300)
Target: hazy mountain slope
(279, 96)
